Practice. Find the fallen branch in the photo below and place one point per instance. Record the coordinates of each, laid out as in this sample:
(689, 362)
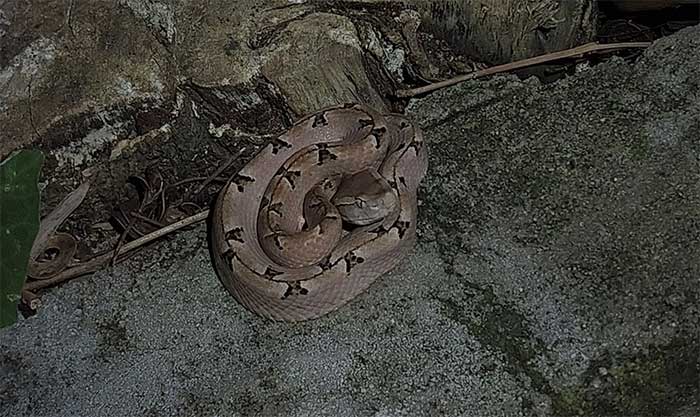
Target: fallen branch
(99, 261)
(579, 50)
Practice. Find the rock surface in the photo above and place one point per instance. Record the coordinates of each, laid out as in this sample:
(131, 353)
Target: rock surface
(72, 81)
(74, 85)
(501, 31)
(555, 274)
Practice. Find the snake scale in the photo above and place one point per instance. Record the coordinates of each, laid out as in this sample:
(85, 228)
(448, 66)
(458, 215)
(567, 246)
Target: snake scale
(320, 213)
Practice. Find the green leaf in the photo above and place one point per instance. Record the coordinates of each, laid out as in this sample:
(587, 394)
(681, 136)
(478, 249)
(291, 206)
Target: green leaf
(19, 223)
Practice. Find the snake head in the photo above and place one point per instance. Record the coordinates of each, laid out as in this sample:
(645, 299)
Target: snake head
(364, 198)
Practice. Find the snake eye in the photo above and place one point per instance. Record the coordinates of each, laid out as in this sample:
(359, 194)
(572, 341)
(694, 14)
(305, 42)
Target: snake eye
(360, 203)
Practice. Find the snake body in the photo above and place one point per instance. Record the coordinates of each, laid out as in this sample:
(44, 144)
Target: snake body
(320, 213)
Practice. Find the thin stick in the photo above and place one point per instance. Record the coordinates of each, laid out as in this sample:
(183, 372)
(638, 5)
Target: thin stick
(194, 179)
(122, 237)
(219, 170)
(97, 262)
(579, 50)
(149, 220)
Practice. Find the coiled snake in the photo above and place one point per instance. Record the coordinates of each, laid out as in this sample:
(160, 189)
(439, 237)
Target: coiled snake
(320, 213)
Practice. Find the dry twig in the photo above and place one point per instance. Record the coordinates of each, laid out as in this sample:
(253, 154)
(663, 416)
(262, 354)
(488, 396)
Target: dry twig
(580, 50)
(95, 263)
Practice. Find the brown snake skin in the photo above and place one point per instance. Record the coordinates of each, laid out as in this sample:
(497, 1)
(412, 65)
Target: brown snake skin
(291, 239)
